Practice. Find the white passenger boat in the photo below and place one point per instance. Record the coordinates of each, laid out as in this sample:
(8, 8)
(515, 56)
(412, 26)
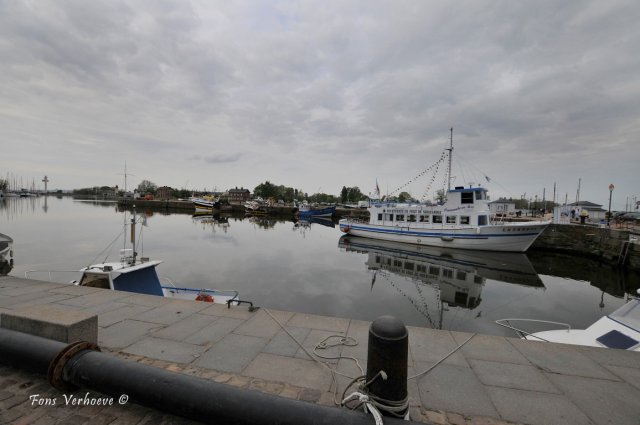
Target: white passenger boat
(463, 221)
(620, 329)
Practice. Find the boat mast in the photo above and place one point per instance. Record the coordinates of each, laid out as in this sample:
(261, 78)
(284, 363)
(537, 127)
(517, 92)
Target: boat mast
(450, 158)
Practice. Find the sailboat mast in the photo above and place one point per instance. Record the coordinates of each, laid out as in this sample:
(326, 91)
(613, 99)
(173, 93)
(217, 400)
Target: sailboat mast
(450, 158)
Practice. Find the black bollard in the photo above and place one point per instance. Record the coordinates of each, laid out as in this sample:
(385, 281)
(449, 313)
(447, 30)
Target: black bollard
(388, 351)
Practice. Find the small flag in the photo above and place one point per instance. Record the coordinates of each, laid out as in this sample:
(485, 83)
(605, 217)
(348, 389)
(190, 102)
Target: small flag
(377, 189)
(488, 179)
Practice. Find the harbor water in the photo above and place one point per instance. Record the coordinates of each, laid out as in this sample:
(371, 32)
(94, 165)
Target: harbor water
(311, 268)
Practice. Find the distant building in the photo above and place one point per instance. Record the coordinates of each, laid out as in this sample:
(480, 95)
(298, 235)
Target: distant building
(502, 207)
(595, 211)
(238, 196)
(163, 192)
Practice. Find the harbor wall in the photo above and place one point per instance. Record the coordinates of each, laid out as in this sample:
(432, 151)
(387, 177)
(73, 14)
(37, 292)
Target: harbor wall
(598, 243)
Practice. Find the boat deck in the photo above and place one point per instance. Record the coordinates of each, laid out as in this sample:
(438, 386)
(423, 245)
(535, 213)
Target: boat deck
(490, 380)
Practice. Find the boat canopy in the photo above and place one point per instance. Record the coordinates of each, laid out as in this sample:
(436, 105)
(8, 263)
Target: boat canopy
(143, 281)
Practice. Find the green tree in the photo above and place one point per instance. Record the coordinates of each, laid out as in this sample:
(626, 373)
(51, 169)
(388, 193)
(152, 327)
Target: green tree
(147, 186)
(440, 196)
(404, 197)
(266, 190)
(4, 184)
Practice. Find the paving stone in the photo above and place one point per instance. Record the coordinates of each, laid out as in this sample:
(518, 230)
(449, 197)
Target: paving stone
(605, 402)
(145, 300)
(181, 330)
(511, 375)
(628, 374)
(232, 353)
(222, 327)
(328, 355)
(173, 312)
(119, 314)
(165, 349)
(359, 331)
(95, 298)
(561, 358)
(125, 333)
(486, 347)
(235, 312)
(263, 325)
(534, 408)
(431, 345)
(332, 324)
(604, 356)
(454, 389)
(283, 344)
(300, 372)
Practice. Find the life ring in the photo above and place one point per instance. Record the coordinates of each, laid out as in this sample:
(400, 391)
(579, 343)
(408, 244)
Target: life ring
(204, 297)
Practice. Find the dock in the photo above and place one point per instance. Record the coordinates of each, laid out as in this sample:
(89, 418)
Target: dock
(489, 380)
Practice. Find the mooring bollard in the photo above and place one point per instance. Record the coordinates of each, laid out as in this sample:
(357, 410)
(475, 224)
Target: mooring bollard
(388, 351)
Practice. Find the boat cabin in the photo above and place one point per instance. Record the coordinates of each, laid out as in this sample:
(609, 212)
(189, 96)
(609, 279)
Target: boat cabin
(464, 207)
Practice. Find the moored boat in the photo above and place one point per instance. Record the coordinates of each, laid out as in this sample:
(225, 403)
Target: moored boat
(620, 329)
(462, 221)
(206, 203)
(309, 210)
(6, 254)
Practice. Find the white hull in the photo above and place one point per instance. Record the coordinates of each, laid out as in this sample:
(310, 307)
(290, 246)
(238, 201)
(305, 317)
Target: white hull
(511, 237)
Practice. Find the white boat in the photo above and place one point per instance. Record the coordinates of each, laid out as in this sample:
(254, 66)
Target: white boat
(620, 329)
(6, 254)
(463, 221)
(206, 203)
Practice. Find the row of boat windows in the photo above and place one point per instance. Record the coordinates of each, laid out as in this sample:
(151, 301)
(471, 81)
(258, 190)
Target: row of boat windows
(435, 219)
(429, 270)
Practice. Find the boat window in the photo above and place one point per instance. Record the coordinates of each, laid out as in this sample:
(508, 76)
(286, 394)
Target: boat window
(451, 219)
(95, 280)
(477, 279)
(412, 218)
(399, 217)
(447, 273)
(397, 263)
(424, 219)
(388, 217)
(421, 268)
(466, 197)
(464, 219)
(408, 265)
(460, 275)
(480, 195)
(434, 271)
(437, 219)
(482, 220)
(380, 216)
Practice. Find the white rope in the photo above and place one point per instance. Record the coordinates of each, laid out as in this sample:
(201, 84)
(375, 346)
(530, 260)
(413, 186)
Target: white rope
(369, 407)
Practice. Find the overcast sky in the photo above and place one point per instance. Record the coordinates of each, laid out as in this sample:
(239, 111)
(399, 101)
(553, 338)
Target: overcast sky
(318, 95)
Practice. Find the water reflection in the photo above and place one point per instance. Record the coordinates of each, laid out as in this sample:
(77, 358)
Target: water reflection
(454, 278)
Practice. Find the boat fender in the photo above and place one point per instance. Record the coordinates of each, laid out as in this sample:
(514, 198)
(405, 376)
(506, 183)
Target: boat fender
(345, 229)
(204, 297)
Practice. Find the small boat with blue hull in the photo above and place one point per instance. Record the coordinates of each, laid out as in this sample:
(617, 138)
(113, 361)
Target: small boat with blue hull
(140, 277)
(308, 211)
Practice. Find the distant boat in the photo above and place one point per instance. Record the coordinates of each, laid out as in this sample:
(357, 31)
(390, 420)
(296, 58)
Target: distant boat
(620, 329)
(308, 211)
(205, 203)
(463, 221)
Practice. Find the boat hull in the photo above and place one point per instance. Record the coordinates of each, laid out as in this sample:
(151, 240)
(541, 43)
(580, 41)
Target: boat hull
(516, 237)
(317, 212)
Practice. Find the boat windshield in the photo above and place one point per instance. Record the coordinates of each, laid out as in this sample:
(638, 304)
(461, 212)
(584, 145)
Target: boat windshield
(95, 280)
(628, 315)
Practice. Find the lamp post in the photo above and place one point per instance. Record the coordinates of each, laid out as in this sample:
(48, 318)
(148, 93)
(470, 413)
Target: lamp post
(610, 193)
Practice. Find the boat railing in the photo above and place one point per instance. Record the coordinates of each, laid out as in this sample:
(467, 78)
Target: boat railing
(230, 292)
(29, 274)
(506, 323)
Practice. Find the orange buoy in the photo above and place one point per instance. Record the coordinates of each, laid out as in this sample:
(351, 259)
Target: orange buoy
(204, 297)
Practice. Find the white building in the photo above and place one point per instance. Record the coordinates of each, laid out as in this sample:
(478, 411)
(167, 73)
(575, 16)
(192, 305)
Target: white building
(502, 207)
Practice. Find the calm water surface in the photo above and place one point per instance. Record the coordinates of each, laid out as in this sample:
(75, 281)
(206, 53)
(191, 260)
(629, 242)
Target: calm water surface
(312, 269)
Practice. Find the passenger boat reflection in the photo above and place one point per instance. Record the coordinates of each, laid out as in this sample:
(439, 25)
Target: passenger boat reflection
(457, 276)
